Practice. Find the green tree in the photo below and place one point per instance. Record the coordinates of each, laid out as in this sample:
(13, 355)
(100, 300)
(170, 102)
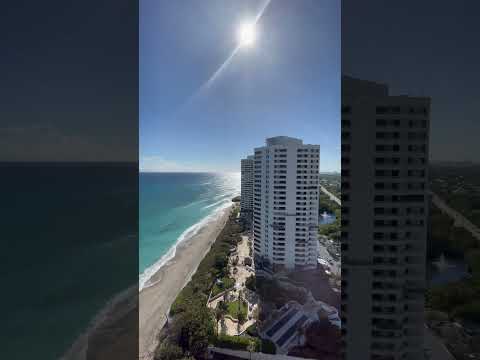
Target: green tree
(168, 351)
(220, 312)
(221, 264)
(193, 328)
(240, 301)
(223, 307)
(241, 317)
(250, 283)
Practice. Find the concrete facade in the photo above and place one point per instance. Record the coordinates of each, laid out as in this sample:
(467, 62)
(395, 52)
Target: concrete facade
(384, 221)
(285, 203)
(246, 202)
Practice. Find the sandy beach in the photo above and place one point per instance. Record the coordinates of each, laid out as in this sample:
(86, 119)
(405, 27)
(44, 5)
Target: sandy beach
(155, 300)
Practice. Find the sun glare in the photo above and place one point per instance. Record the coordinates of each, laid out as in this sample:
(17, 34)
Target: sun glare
(246, 34)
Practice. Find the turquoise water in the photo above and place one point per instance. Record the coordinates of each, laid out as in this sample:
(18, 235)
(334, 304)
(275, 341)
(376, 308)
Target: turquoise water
(326, 218)
(173, 207)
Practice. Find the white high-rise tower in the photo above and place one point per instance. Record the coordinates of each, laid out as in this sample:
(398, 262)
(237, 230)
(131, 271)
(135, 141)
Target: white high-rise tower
(285, 204)
(246, 202)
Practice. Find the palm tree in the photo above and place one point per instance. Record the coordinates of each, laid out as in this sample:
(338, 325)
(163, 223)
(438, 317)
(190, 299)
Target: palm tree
(218, 316)
(221, 311)
(251, 348)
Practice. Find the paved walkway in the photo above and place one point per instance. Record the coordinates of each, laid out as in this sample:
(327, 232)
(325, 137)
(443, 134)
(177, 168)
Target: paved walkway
(434, 347)
(227, 325)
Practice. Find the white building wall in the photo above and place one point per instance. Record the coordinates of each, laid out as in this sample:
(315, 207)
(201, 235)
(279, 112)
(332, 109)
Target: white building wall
(285, 216)
(246, 201)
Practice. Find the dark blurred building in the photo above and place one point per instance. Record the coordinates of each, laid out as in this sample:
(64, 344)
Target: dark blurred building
(384, 221)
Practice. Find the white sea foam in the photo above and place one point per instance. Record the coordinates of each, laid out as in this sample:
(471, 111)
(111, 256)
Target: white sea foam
(216, 203)
(193, 203)
(146, 275)
(78, 350)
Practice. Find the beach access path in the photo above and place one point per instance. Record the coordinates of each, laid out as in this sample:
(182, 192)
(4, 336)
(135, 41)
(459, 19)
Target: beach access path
(227, 325)
(155, 301)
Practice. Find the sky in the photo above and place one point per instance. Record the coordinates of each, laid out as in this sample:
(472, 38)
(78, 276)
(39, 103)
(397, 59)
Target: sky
(69, 82)
(421, 48)
(287, 83)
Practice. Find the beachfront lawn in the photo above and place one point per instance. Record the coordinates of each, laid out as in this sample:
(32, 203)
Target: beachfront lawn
(234, 309)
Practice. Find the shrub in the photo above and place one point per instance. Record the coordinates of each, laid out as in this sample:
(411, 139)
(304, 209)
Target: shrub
(237, 342)
(268, 347)
(242, 317)
(473, 260)
(168, 351)
(252, 330)
(469, 311)
(448, 297)
(227, 283)
(250, 283)
(214, 264)
(193, 328)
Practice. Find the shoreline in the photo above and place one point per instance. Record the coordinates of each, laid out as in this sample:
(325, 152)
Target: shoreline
(156, 299)
(145, 278)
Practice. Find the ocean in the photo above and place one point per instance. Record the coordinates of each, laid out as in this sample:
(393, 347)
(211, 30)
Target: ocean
(69, 245)
(71, 242)
(173, 207)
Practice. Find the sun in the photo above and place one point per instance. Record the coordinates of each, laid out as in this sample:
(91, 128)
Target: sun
(246, 34)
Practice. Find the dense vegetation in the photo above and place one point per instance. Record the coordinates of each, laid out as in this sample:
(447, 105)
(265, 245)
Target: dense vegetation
(325, 204)
(459, 187)
(331, 182)
(445, 238)
(214, 266)
(460, 299)
(251, 283)
(245, 343)
(193, 325)
(189, 334)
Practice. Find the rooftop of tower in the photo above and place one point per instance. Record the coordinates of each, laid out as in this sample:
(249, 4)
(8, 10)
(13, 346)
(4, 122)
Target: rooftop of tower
(283, 140)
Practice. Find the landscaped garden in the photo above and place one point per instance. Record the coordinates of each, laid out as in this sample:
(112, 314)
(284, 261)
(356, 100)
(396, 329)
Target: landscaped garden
(238, 310)
(225, 283)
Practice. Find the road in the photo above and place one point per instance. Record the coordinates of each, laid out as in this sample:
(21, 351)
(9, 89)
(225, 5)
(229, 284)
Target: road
(332, 197)
(460, 220)
(435, 348)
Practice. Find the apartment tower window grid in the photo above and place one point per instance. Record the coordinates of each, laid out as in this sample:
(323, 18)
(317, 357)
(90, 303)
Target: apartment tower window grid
(246, 194)
(384, 221)
(285, 208)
